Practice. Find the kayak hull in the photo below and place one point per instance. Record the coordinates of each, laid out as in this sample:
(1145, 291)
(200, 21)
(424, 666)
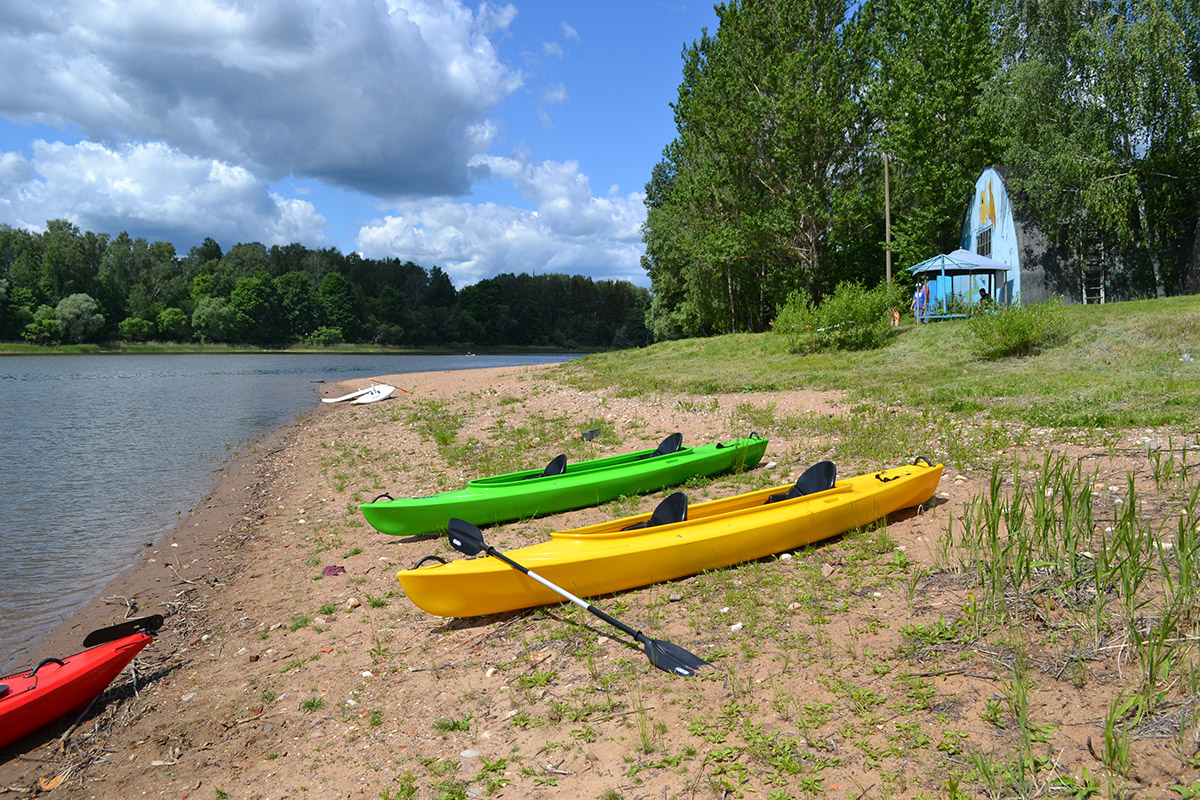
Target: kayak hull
(527, 494)
(602, 559)
(32, 701)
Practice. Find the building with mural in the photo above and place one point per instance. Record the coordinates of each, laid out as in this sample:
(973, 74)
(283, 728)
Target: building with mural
(1004, 251)
(994, 229)
(1095, 269)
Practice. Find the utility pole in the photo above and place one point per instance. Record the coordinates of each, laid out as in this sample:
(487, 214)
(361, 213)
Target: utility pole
(887, 216)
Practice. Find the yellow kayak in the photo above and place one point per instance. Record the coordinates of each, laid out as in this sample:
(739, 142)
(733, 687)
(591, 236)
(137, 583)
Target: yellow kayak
(609, 557)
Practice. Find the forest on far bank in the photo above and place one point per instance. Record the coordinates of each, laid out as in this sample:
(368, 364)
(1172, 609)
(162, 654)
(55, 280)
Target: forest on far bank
(70, 286)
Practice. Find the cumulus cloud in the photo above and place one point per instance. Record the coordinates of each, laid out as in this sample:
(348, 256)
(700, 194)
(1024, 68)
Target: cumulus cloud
(569, 230)
(153, 191)
(387, 98)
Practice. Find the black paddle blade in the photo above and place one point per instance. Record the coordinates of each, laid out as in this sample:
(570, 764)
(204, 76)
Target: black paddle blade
(465, 537)
(671, 657)
(110, 634)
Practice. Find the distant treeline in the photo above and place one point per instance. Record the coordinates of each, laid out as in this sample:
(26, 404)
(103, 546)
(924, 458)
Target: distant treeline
(65, 285)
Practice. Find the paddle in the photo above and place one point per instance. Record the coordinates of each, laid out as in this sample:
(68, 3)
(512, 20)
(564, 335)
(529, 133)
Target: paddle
(467, 539)
(119, 631)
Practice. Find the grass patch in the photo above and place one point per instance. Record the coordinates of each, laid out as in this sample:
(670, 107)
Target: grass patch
(1119, 367)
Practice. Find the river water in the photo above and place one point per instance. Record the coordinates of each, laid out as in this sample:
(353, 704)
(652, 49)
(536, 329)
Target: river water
(100, 454)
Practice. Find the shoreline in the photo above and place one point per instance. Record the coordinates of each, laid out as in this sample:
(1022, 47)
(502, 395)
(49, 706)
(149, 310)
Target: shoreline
(211, 527)
(203, 528)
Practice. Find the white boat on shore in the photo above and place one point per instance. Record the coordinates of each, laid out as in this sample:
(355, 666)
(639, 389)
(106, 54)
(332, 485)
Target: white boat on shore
(345, 397)
(372, 394)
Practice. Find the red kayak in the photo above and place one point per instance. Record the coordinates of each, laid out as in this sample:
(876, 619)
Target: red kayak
(56, 687)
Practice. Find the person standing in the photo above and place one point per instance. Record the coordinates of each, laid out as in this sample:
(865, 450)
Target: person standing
(918, 303)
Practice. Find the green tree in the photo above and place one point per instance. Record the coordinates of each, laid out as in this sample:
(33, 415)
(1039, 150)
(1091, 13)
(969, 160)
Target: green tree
(43, 328)
(326, 336)
(16, 311)
(172, 324)
(70, 260)
(1099, 105)
(79, 318)
(214, 320)
(246, 259)
(255, 306)
(766, 185)
(341, 304)
(299, 306)
(135, 329)
(935, 63)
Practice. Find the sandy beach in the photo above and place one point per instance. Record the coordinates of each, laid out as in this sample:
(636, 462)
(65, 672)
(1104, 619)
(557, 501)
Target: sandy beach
(291, 665)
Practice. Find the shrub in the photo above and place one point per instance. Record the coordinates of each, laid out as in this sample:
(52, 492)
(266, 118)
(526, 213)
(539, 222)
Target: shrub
(44, 327)
(326, 335)
(852, 318)
(79, 318)
(135, 329)
(172, 324)
(1018, 330)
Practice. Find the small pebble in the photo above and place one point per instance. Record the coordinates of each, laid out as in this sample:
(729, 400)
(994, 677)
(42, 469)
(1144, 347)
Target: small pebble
(735, 627)
(674, 597)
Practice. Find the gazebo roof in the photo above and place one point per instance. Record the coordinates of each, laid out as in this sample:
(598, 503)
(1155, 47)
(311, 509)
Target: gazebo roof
(960, 262)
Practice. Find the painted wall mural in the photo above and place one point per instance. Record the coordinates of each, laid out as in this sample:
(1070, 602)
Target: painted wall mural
(989, 230)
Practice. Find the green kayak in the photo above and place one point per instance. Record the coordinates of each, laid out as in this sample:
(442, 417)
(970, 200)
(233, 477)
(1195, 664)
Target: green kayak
(562, 486)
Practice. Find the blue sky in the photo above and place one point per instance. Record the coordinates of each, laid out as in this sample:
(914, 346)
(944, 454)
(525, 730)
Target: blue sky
(482, 138)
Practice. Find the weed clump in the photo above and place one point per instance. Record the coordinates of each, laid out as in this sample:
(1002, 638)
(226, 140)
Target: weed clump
(1018, 330)
(852, 318)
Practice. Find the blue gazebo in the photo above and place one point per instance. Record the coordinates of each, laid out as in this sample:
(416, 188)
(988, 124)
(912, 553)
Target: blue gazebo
(961, 272)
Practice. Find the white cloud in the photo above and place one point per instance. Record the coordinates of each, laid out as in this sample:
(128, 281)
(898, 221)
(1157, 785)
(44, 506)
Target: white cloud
(569, 230)
(569, 32)
(154, 191)
(14, 168)
(391, 99)
(552, 96)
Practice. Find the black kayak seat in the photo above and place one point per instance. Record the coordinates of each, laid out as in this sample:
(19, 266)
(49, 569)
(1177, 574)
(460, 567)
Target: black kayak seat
(557, 466)
(817, 478)
(671, 509)
(669, 445)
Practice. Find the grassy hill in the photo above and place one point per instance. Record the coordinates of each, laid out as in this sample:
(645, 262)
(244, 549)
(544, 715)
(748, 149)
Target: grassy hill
(1120, 366)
